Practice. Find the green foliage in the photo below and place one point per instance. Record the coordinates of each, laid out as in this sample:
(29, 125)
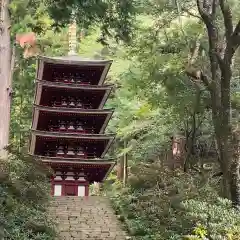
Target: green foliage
(153, 100)
(24, 189)
(215, 218)
(115, 18)
(161, 204)
(27, 16)
(24, 199)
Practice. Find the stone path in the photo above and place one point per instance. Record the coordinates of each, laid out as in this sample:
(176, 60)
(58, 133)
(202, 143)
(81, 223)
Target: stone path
(89, 218)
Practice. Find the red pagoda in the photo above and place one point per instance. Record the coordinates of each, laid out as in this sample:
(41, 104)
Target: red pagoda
(69, 122)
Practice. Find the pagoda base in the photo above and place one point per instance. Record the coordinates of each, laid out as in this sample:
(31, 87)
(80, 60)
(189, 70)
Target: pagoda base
(67, 185)
(92, 170)
(72, 178)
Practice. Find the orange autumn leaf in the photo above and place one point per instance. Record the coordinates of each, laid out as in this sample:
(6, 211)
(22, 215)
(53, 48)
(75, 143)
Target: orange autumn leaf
(26, 39)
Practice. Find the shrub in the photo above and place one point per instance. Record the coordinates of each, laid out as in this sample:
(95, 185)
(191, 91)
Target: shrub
(215, 217)
(24, 200)
(163, 204)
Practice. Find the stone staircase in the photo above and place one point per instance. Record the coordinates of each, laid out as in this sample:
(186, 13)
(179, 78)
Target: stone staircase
(85, 218)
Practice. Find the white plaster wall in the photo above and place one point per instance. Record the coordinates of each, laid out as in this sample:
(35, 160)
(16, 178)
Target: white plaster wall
(81, 191)
(57, 190)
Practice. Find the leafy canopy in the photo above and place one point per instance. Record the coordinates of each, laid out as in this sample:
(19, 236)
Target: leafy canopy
(115, 17)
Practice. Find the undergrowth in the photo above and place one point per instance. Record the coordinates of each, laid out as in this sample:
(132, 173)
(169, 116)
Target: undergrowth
(159, 204)
(24, 198)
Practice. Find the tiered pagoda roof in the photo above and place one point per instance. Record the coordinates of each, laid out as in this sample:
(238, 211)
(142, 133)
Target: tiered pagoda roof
(68, 116)
(96, 95)
(93, 72)
(94, 120)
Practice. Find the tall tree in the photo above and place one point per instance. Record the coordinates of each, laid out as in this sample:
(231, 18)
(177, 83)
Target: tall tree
(212, 65)
(5, 73)
(224, 40)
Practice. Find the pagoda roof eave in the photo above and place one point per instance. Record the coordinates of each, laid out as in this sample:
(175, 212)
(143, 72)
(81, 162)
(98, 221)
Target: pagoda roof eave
(109, 137)
(81, 165)
(74, 86)
(109, 170)
(75, 60)
(69, 163)
(79, 112)
(74, 135)
(73, 110)
(79, 160)
(106, 88)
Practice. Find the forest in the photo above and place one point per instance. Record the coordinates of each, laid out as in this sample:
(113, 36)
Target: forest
(177, 103)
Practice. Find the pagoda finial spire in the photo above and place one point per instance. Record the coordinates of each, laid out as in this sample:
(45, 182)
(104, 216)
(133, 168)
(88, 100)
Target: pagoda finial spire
(72, 36)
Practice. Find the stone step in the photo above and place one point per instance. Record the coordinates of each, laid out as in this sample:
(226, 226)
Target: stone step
(85, 218)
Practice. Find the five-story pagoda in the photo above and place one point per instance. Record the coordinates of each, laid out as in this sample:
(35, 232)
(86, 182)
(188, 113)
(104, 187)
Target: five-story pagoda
(69, 121)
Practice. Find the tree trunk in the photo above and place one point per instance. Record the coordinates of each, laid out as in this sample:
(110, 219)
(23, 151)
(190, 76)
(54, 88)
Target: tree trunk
(120, 169)
(178, 151)
(223, 127)
(221, 53)
(5, 76)
(125, 160)
(234, 174)
(191, 138)
(228, 142)
(224, 151)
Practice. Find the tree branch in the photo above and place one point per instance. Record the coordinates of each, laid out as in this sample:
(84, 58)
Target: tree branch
(220, 61)
(227, 16)
(195, 52)
(214, 7)
(232, 44)
(198, 75)
(206, 80)
(236, 36)
(204, 14)
(188, 11)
